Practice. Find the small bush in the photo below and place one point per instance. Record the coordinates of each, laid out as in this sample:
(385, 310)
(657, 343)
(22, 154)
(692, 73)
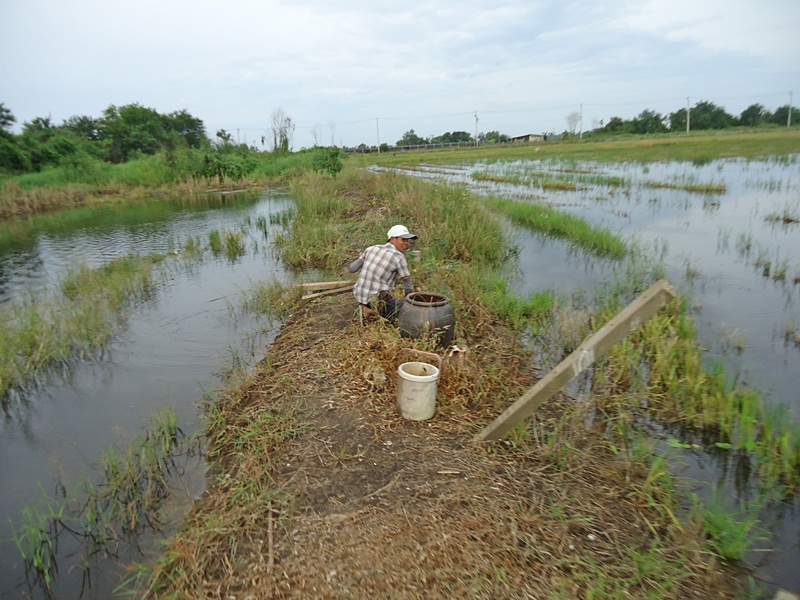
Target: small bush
(327, 160)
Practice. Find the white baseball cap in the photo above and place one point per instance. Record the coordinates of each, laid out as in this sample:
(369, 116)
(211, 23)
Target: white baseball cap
(401, 231)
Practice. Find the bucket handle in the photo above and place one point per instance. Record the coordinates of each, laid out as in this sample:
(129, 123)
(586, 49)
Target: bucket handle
(428, 354)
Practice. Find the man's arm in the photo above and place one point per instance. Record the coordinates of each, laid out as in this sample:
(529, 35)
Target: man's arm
(356, 264)
(408, 287)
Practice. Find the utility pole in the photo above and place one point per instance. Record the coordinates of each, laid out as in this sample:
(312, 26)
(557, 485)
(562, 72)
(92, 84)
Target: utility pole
(378, 131)
(476, 127)
(688, 115)
(580, 135)
(789, 115)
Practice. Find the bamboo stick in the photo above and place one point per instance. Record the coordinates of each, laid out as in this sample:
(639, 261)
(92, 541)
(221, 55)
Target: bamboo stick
(323, 285)
(341, 290)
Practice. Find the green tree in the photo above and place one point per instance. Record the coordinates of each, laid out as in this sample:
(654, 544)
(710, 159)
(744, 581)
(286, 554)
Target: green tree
(41, 126)
(677, 120)
(707, 115)
(753, 115)
(85, 127)
(13, 158)
(410, 138)
(648, 121)
(224, 138)
(614, 125)
(781, 115)
(452, 138)
(327, 160)
(493, 137)
(131, 129)
(7, 119)
(188, 128)
(48, 145)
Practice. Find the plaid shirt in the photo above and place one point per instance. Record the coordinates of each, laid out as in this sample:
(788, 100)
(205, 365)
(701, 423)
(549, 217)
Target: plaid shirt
(383, 265)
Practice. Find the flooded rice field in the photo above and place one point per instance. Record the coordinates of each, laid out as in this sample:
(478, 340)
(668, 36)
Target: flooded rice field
(728, 235)
(728, 232)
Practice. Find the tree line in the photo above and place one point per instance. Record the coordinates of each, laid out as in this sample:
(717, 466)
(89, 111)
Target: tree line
(702, 116)
(123, 133)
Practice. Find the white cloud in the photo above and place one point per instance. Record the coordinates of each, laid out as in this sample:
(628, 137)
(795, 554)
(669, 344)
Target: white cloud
(768, 29)
(523, 64)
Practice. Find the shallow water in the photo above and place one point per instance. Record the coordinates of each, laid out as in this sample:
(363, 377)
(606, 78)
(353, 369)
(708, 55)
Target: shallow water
(716, 248)
(172, 349)
(175, 344)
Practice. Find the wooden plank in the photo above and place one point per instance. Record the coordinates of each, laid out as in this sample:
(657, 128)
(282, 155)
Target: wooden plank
(628, 319)
(324, 285)
(341, 290)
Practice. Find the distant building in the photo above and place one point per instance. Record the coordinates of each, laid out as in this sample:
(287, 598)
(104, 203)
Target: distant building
(529, 137)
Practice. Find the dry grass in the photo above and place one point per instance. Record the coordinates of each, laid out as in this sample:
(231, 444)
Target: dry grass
(322, 490)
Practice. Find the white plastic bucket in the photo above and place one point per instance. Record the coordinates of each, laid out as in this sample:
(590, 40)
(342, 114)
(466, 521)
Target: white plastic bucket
(416, 390)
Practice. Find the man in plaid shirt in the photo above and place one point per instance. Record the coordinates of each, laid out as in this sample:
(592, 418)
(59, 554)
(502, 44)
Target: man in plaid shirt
(381, 266)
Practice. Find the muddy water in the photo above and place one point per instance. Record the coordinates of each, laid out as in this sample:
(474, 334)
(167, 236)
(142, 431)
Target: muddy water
(725, 250)
(171, 351)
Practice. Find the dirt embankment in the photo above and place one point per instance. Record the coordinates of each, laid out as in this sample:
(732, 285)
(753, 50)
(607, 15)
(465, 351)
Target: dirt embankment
(324, 491)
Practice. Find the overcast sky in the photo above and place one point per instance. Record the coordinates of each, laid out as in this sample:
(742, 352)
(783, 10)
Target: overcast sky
(353, 71)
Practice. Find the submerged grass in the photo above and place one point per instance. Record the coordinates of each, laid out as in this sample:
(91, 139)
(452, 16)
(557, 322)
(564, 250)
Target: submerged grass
(698, 188)
(732, 532)
(554, 223)
(46, 332)
(680, 390)
(130, 488)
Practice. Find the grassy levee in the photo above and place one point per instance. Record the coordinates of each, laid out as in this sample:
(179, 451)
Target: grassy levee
(698, 146)
(728, 419)
(92, 181)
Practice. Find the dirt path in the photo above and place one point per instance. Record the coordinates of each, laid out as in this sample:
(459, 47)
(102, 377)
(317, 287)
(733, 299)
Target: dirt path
(365, 504)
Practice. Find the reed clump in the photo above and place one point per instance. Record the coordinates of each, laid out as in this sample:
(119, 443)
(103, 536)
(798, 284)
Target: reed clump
(698, 188)
(551, 222)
